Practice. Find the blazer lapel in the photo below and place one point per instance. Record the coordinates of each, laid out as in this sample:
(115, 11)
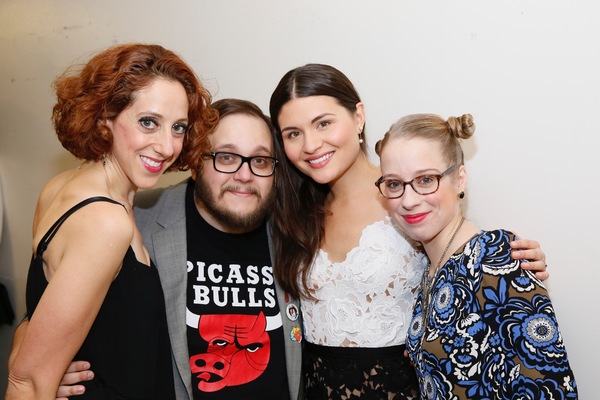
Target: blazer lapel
(167, 245)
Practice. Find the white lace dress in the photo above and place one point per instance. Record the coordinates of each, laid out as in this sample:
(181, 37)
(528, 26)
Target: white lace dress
(366, 300)
(355, 330)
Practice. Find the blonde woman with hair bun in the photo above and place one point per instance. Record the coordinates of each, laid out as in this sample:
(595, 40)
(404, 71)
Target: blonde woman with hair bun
(482, 327)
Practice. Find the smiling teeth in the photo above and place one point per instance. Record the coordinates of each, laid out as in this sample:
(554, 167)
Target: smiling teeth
(320, 159)
(150, 162)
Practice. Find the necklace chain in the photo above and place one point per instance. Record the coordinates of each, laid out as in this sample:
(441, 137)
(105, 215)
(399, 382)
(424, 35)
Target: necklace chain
(439, 264)
(427, 281)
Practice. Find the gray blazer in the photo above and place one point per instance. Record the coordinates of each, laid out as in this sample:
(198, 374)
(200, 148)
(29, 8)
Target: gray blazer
(160, 216)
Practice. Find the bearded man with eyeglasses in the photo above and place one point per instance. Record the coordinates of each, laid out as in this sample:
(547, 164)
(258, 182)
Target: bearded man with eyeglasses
(234, 333)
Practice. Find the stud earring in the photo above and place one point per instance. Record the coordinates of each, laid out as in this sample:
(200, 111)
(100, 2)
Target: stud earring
(461, 195)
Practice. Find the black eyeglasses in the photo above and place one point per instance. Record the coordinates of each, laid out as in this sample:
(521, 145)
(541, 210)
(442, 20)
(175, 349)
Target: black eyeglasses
(229, 163)
(424, 184)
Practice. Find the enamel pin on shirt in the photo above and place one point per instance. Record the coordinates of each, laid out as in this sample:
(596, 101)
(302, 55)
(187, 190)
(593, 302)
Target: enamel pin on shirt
(292, 312)
(296, 334)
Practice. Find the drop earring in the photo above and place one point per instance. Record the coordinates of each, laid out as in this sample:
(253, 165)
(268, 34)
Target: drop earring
(461, 195)
(360, 138)
(104, 160)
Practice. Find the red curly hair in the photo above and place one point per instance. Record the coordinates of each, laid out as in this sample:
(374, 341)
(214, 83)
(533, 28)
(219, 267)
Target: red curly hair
(106, 85)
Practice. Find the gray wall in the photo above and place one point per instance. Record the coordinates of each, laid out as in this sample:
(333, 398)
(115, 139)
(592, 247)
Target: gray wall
(527, 71)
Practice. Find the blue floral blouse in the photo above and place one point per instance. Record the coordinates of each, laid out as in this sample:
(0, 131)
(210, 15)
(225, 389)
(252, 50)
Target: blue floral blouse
(491, 332)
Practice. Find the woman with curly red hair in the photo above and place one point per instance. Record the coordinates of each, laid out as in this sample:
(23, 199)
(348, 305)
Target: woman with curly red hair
(131, 113)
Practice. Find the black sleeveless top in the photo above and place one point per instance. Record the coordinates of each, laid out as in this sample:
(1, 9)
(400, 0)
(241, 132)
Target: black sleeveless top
(128, 344)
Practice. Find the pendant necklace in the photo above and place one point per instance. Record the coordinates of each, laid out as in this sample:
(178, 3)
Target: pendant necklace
(427, 281)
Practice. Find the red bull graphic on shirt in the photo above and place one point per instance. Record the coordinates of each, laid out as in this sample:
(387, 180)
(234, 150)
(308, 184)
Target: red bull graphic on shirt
(239, 348)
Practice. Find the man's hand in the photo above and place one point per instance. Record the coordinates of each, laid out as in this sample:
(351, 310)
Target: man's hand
(78, 371)
(525, 249)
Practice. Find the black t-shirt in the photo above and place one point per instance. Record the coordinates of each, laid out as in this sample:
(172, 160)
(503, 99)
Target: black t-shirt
(235, 335)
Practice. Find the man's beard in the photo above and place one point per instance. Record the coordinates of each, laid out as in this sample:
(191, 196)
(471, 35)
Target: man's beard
(234, 220)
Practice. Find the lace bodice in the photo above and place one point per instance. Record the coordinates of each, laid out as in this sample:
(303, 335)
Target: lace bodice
(366, 300)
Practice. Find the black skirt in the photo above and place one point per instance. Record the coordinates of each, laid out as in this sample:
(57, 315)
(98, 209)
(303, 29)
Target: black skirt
(358, 373)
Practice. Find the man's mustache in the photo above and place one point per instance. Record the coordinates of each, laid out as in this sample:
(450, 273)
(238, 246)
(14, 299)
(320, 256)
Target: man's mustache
(236, 188)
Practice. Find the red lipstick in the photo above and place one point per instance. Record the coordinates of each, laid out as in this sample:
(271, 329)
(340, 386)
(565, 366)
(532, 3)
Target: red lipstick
(414, 218)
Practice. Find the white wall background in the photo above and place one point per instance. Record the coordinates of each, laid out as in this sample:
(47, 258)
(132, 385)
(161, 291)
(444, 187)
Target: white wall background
(527, 70)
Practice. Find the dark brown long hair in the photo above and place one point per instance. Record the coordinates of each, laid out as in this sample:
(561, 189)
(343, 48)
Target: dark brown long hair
(299, 214)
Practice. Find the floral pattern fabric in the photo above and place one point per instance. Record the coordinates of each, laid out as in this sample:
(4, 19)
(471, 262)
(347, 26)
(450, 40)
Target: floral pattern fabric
(491, 331)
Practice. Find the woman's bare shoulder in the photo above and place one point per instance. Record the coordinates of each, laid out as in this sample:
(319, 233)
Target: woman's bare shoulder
(52, 188)
(70, 188)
